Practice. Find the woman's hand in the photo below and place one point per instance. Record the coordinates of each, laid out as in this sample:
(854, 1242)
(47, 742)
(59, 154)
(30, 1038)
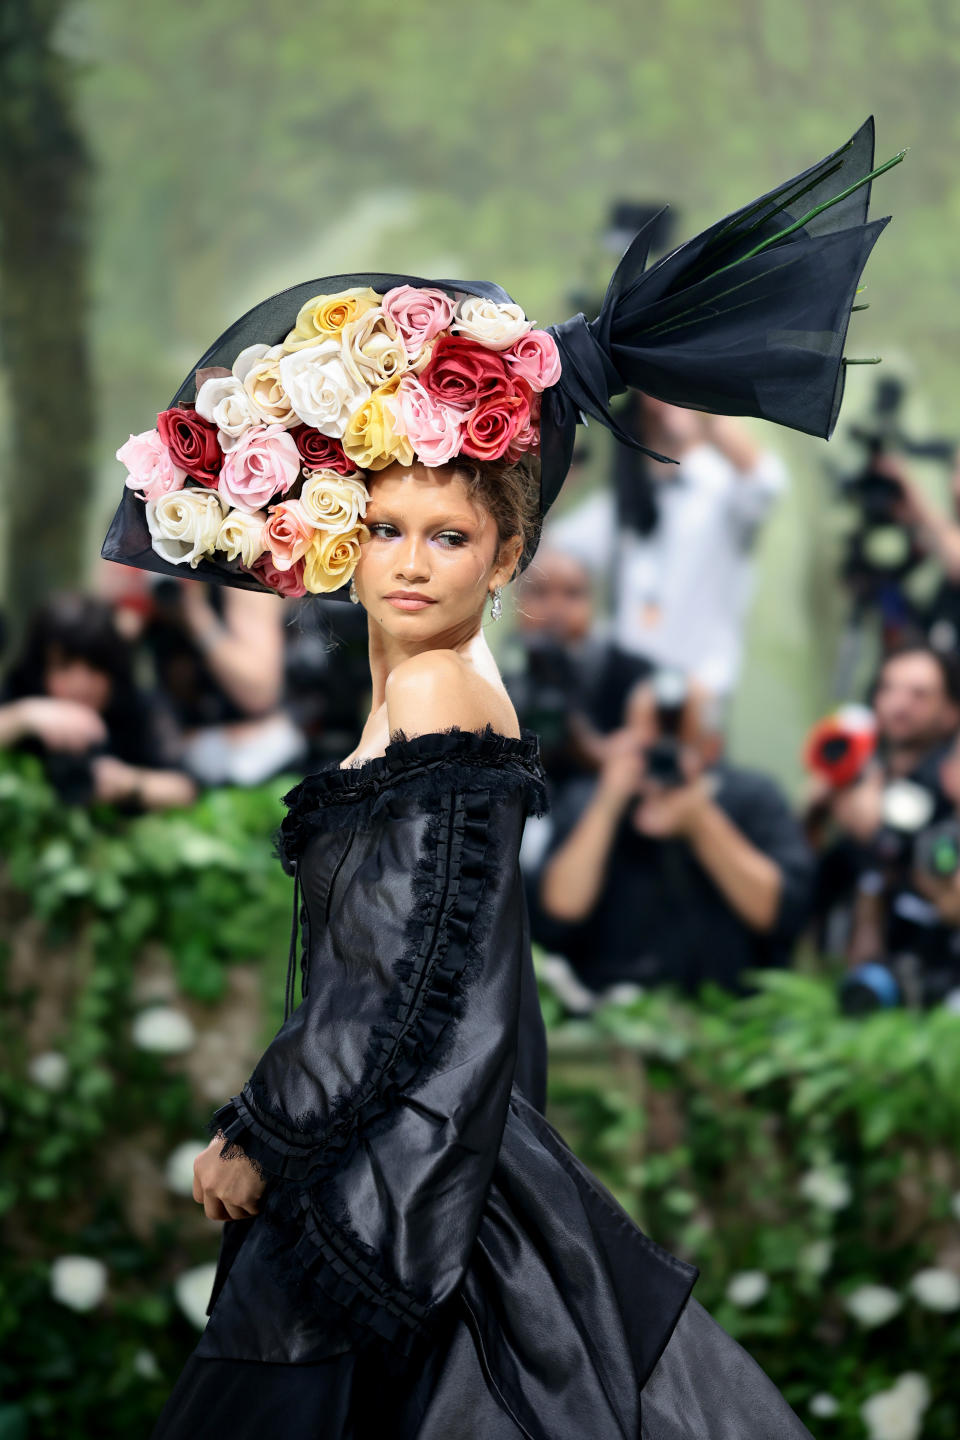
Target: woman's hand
(227, 1189)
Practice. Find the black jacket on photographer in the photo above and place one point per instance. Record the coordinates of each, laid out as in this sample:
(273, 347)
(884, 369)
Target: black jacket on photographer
(659, 917)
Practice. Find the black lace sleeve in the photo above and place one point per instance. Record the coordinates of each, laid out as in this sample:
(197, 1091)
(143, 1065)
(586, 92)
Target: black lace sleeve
(376, 1112)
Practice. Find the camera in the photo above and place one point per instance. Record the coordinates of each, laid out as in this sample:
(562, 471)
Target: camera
(839, 747)
(663, 757)
(937, 850)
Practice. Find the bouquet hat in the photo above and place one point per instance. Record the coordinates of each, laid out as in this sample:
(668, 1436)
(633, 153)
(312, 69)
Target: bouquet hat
(256, 472)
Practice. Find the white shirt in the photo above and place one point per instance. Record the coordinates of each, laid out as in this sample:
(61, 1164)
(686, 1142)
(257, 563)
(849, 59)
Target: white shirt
(680, 594)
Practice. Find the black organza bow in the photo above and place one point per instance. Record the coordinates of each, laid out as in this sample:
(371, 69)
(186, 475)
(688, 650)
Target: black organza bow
(747, 318)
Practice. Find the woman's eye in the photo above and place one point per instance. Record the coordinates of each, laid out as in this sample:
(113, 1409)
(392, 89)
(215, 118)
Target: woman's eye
(378, 527)
(452, 537)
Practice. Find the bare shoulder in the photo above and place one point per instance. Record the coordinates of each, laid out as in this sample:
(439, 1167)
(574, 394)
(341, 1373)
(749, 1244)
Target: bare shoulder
(439, 689)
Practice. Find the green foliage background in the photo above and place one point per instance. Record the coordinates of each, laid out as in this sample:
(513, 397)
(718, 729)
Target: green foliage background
(702, 1119)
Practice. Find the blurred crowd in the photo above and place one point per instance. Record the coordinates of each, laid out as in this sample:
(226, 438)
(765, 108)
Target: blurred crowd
(660, 861)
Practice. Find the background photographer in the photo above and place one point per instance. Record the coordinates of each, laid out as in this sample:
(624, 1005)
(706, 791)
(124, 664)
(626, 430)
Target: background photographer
(678, 538)
(664, 869)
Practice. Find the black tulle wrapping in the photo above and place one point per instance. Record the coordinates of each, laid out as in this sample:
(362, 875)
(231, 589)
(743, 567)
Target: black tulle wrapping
(710, 326)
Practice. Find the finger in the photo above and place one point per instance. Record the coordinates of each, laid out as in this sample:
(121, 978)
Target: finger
(213, 1208)
(239, 1212)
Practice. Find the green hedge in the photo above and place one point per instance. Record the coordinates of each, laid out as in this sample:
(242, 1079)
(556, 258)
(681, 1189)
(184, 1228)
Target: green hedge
(795, 1155)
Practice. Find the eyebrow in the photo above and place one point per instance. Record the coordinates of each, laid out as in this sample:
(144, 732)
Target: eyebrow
(446, 521)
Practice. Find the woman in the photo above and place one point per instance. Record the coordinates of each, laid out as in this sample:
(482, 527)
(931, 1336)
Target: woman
(463, 1274)
(408, 1247)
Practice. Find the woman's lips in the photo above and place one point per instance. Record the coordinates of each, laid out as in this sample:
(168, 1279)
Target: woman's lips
(409, 602)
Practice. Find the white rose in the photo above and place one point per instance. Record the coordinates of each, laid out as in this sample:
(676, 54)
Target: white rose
(178, 1170)
(78, 1281)
(936, 1289)
(826, 1188)
(373, 352)
(50, 1070)
(897, 1414)
(823, 1405)
(495, 326)
(145, 1365)
(872, 1305)
(193, 1289)
(225, 403)
(321, 391)
(334, 502)
(263, 386)
(163, 1030)
(184, 525)
(747, 1287)
(241, 533)
(816, 1258)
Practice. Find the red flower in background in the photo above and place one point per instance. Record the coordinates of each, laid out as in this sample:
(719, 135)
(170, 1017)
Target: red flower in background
(192, 443)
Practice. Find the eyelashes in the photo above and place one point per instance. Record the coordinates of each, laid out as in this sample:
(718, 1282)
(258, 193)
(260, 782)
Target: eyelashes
(452, 539)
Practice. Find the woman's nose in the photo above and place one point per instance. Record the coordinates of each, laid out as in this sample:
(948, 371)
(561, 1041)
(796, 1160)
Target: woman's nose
(411, 560)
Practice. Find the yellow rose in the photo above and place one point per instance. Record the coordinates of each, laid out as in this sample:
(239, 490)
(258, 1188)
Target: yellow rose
(333, 502)
(373, 353)
(324, 316)
(372, 439)
(332, 559)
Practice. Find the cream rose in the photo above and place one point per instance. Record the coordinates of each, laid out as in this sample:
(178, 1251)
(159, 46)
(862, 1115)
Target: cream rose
(494, 326)
(373, 438)
(334, 503)
(185, 524)
(241, 535)
(326, 315)
(223, 401)
(373, 351)
(264, 388)
(331, 560)
(321, 391)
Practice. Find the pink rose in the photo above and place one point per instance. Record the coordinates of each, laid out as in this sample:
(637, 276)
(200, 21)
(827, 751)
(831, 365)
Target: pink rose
(433, 429)
(527, 437)
(150, 465)
(288, 533)
(264, 462)
(419, 315)
(535, 359)
(288, 583)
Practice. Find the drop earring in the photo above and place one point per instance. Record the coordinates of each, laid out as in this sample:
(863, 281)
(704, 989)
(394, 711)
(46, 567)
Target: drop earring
(496, 605)
(352, 592)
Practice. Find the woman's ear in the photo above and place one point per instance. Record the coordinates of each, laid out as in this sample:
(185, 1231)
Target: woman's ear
(509, 557)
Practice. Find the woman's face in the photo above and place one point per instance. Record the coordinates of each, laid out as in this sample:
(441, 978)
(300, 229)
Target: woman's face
(70, 678)
(432, 556)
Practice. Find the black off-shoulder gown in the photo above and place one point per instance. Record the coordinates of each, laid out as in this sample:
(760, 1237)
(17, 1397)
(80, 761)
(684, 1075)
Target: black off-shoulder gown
(430, 1258)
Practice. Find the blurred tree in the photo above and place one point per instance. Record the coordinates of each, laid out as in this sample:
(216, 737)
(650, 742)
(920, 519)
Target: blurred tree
(44, 183)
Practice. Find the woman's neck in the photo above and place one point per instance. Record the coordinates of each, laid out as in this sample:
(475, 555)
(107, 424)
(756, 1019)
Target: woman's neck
(387, 651)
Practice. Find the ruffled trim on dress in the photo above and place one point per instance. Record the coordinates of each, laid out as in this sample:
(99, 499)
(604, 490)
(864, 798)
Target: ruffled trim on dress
(463, 774)
(426, 766)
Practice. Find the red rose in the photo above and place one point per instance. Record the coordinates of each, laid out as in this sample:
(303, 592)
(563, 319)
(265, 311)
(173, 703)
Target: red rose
(192, 443)
(321, 452)
(288, 583)
(527, 437)
(462, 373)
(487, 433)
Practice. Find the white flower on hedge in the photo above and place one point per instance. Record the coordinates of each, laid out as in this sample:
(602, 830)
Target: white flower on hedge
(826, 1188)
(145, 1365)
(897, 1413)
(817, 1257)
(321, 390)
(184, 525)
(50, 1070)
(193, 1289)
(747, 1287)
(936, 1289)
(873, 1305)
(163, 1030)
(179, 1167)
(78, 1281)
(823, 1405)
